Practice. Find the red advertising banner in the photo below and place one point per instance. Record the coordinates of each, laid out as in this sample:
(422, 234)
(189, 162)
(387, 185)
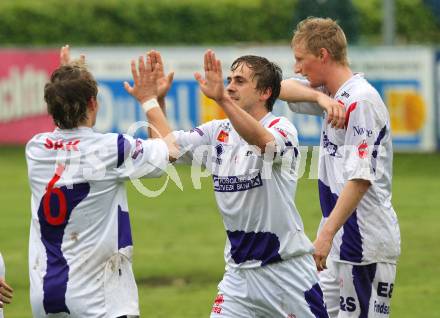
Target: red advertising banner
(23, 74)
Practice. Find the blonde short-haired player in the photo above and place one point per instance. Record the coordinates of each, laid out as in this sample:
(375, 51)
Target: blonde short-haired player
(358, 242)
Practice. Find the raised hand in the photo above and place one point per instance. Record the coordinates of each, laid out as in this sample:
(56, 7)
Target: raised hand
(65, 56)
(212, 85)
(163, 82)
(145, 79)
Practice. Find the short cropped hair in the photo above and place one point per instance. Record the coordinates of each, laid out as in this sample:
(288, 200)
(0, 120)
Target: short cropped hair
(268, 75)
(67, 94)
(317, 33)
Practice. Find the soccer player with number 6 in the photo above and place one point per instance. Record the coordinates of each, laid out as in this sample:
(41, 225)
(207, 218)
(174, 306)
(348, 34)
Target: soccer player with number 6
(80, 245)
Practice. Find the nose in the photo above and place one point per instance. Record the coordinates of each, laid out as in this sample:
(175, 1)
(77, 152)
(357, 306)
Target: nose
(230, 87)
(297, 68)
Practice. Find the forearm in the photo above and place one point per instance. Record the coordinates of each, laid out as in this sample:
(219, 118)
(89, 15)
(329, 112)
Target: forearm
(157, 123)
(161, 101)
(349, 199)
(246, 126)
(294, 91)
(159, 128)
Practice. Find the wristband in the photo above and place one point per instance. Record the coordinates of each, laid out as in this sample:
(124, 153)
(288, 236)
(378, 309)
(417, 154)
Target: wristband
(150, 104)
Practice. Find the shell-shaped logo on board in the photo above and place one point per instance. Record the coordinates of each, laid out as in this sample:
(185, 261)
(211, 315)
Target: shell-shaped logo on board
(407, 111)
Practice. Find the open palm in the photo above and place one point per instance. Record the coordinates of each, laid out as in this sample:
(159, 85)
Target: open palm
(163, 82)
(212, 85)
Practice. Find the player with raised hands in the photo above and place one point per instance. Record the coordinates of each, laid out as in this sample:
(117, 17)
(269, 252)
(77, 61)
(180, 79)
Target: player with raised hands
(80, 246)
(252, 156)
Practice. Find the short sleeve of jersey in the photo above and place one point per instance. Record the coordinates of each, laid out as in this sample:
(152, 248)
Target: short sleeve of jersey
(190, 142)
(364, 130)
(140, 158)
(286, 138)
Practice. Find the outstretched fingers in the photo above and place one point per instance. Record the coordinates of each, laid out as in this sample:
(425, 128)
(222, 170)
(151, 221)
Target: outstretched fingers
(199, 78)
(65, 55)
(134, 72)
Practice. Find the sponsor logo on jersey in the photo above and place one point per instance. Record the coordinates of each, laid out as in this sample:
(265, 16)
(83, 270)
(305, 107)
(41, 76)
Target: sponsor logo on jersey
(219, 151)
(197, 130)
(385, 289)
(219, 300)
(223, 136)
(363, 149)
(331, 148)
(345, 94)
(358, 131)
(291, 316)
(62, 144)
(236, 184)
(138, 150)
(226, 126)
(282, 132)
(382, 308)
(347, 304)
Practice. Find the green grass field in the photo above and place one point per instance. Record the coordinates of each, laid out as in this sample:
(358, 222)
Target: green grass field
(179, 238)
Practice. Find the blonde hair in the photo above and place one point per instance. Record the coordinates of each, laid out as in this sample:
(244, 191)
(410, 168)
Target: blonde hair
(317, 33)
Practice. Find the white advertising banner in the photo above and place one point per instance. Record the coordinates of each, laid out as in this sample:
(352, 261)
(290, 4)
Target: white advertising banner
(403, 76)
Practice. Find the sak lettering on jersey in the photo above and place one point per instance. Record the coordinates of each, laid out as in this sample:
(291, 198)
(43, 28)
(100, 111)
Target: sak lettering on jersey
(61, 144)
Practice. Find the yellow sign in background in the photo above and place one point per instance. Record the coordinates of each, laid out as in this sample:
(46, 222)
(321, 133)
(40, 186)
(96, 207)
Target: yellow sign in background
(407, 111)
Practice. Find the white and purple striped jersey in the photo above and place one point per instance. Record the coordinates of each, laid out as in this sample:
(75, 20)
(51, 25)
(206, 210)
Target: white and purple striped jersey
(254, 192)
(363, 150)
(80, 245)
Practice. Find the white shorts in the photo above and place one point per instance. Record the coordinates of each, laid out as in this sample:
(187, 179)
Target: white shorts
(287, 289)
(359, 291)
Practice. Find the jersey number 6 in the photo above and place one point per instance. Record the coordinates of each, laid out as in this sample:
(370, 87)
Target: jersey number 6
(62, 206)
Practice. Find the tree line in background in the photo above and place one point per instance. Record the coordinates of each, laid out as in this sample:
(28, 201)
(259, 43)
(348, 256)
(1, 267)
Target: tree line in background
(187, 22)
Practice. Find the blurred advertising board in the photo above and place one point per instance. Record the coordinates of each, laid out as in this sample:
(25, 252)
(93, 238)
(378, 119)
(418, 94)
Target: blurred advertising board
(403, 76)
(23, 74)
(405, 79)
(437, 90)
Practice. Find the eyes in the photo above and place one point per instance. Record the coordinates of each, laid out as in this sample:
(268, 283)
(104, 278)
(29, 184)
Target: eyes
(237, 80)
